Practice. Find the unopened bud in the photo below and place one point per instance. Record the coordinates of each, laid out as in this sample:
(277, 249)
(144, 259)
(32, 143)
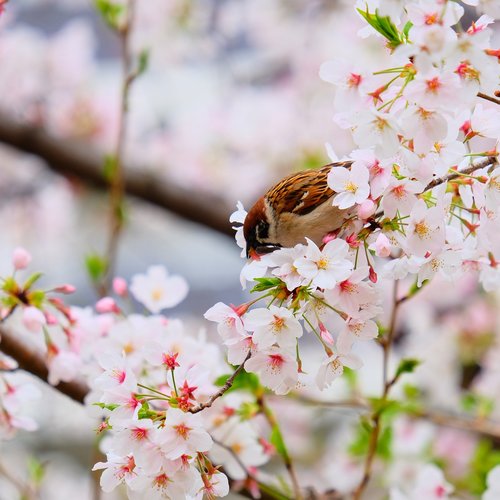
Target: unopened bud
(120, 287)
(21, 258)
(66, 289)
(366, 209)
(107, 305)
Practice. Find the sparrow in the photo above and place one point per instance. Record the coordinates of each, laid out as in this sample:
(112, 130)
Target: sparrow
(299, 206)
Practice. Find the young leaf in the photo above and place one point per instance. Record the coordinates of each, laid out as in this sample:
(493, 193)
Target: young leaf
(407, 365)
(96, 266)
(110, 12)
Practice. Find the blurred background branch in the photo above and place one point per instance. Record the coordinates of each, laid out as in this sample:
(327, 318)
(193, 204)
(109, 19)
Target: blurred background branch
(76, 159)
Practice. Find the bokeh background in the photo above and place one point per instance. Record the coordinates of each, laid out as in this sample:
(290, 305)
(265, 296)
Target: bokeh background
(231, 101)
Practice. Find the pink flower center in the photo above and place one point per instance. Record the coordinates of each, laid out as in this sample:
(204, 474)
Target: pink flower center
(433, 85)
(276, 361)
(354, 80)
(139, 433)
(119, 375)
(182, 430)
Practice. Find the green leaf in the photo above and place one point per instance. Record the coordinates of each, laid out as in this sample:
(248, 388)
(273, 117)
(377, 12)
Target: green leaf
(36, 298)
(36, 470)
(265, 284)
(143, 62)
(110, 12)
(406, 365)
(248, 410)
(109, 167)
(407, 27)
(105, 406)
(96, 266)
(384, 26)
(10, 285)
(31, 280)
(384, 444)
(244, 381)
(277, 441)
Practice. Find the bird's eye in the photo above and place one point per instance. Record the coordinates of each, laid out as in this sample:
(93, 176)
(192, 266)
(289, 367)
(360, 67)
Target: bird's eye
(262, 230)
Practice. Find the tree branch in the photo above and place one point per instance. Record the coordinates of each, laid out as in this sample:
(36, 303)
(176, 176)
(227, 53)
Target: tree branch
(222, 390)
(488, 98)
(33, 362)
(74, 158)
(491, 160)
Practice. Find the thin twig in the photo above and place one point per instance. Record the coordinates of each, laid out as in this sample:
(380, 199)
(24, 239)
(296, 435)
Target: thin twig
(273, 423)
(221, 391)
(491, 160)
(387, 384)
(117, 183)
(25, 490)
(267, 492)
(488, 98)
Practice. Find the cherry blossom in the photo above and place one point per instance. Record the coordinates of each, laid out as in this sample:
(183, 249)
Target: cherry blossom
(350, 184)
(276, 369)
(276, 325)
(327, 266)
(157, 290)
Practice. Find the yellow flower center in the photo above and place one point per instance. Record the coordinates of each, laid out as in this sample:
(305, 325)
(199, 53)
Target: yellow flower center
(422, 229)
(351, 187)
(157, 294)
(323, 263)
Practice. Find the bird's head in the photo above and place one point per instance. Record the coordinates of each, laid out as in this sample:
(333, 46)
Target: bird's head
(259, 229)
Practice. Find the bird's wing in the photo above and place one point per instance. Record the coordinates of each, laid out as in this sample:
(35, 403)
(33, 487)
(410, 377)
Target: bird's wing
(302, 192)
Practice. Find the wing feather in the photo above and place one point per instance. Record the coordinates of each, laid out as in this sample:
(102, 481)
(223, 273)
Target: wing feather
(302, 192)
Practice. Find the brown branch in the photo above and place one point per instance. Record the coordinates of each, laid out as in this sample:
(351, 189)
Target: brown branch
(76, 159)
(117, 185)
(488, 98)
(377, 415)
(33, 362)
(221, 391)
(491, 160)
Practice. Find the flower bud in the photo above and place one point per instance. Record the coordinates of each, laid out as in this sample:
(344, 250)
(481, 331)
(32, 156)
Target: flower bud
(106, 305)
(66, 289)
(21, 258)
(33, 319)
(120, 286)
(366, 209)
(382, 246)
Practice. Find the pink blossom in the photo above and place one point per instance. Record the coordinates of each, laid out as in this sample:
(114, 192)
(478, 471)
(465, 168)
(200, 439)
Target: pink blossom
(20, 258)
(276, 325)
(276, 369)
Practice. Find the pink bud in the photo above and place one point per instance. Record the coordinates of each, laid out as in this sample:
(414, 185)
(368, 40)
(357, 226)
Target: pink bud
(20, 258)
(325, 334)
(51, 319)
(33, 319)
(366, 209)
(329, 237)
(120, 286)
(107, 305)
(67, 289)
(382, 246)
(240, 310)
(372, 275)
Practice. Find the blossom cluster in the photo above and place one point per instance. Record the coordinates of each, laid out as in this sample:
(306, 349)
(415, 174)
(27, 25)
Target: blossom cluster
(147, 378)
(416, 195)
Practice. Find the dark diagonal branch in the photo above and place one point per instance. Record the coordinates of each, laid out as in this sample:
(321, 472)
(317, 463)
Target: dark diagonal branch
(76, 159)
(33, 362)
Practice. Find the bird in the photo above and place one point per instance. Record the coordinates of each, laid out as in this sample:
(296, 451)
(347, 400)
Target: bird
(298, 206)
